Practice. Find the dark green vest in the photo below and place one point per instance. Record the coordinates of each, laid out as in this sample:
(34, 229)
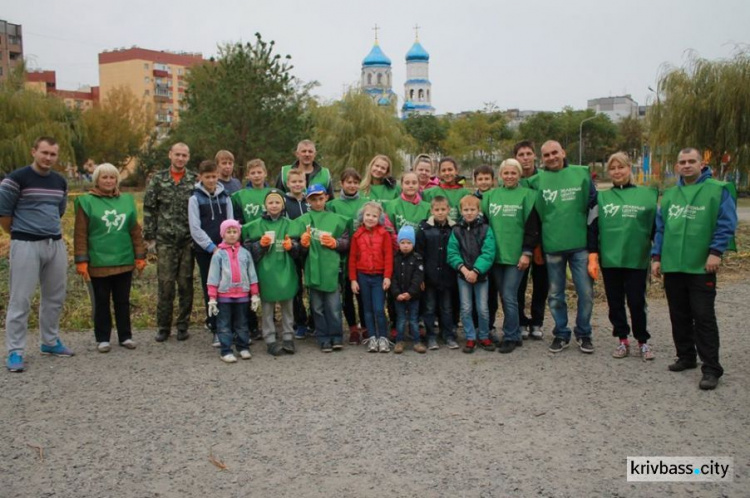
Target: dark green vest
(322, 264)
(277, 274)
(322, 177)
(110, 222)
(382, 193)
(453, 195)
(506, 211)
(402, 213)
(626, 222)
(249, 202)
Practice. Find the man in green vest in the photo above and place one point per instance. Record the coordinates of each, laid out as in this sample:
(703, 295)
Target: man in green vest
(567, 205)
(314, 172)
(695, 225)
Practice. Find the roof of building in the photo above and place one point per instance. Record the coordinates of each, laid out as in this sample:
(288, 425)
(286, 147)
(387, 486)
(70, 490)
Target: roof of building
(384, 101)
(376, 57)
(163, 57)
(417, 53)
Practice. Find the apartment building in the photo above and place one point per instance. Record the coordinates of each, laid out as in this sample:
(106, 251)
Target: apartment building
(11, 47)
(46, 82)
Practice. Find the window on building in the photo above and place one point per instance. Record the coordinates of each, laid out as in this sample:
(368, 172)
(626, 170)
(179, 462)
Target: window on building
(146, 93)
(179, 72)
(145, 66)
(369, 79)
(428, 95)
(421, 95)
(411, 94)
(147, 80)
(380, 78)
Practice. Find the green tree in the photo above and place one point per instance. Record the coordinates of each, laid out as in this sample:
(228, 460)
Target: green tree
(351, 131)
(246, 101)
(631, 133)
(705, 104)
(428, 132)
(476, 137)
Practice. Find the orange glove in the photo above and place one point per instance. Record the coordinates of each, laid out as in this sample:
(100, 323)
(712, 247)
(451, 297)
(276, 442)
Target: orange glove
(265, 241)
(594, 265)
(83, 270)
(140, 264)
(538, 256)
(287, 243)
(305, 239)
(328, 241)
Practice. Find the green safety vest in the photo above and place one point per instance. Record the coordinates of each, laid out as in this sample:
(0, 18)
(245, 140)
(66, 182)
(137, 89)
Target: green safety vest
(322, 177)
(110, 222)
(689, 213)
(454, 196)
(562, 203)
(626, 222)
(382, 193)
(250, 202)
(322, 264)
(402, 213)
(506, 211)
(277, 274)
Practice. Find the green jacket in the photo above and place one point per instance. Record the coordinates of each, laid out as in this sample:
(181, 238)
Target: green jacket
(165, 208)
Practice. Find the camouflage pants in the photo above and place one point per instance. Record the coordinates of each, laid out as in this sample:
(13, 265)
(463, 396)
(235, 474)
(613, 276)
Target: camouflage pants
(175, 265)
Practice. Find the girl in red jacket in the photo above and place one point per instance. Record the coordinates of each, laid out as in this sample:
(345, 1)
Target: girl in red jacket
(370, 270)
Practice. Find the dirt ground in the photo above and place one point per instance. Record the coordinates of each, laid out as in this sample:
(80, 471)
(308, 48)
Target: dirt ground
(144, 423)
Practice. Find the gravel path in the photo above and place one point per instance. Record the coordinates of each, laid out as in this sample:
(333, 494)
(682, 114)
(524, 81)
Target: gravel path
(142, 423)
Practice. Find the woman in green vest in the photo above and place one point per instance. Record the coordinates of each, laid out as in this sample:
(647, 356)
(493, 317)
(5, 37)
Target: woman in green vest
(626, 226)
(450, 186)
(378, 184)
(511, 215)
(108, 245)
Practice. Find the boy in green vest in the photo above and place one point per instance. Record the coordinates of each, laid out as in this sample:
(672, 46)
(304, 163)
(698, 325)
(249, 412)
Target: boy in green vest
(296, 205)
(695, 225)
(484, 183)
(326, 239)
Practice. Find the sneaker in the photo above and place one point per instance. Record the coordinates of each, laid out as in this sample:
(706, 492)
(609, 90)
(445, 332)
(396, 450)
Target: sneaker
(494, 338)
(399, 348)
(288, 347)
(647, 353)
(353, 336)
(245, 354)
(128, 344)
(558, 344)
(432, 344)
(393, 335)
(451, 343)
(364, 333)
(59, 349)
(274, 349)
(256, 335)
(372, 344)
(621, 351)
(229, 358)
(14, 362)
(103, 347)
(384, 345)
(508, 346)
(162, 335)
(301, 332)
(215, 341)
(525, 332)
(183, 335)
(679, 365)
(536, 332)
(708, 382)
(337, 346)
(470, 346)
(420, 348)
(487, 345)
(585, 345)
(326, 347)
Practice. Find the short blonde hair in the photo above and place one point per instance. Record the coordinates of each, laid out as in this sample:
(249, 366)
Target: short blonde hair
(511, 163)
(622, 158)
(256, 163)
(469, 200)
(296, 172)
(105, 168)
(223, 154)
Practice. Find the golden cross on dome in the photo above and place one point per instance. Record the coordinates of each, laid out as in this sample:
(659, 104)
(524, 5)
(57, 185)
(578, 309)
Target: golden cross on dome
(416, 31)
(375, 29)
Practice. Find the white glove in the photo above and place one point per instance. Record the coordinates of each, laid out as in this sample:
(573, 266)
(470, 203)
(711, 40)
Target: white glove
(213, 308)
(255, 302)
(151, 246)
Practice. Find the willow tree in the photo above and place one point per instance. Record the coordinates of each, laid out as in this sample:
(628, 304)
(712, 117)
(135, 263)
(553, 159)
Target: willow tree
(351, 131)
(26, 115)
(705, 104)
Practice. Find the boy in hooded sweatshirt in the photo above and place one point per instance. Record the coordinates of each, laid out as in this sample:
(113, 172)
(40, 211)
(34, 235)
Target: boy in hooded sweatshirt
(208, 207)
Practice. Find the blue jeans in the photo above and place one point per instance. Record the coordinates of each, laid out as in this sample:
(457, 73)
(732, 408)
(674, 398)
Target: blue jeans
(578, 262)
(373, 301)
(438, 301)
(472, 295)
(326, 309)
(232, 322)
(507, 279)
(407, 310)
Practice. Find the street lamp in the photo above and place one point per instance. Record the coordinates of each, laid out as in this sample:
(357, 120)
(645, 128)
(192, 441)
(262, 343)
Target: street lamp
(580, 139)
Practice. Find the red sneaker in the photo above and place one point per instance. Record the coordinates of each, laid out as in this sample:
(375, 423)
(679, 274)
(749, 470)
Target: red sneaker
(470, 346)
(364, 334)
(354, 336)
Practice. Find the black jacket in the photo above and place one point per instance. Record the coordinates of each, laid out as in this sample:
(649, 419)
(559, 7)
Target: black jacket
(471, 240)
(408, 274)
(432, 245)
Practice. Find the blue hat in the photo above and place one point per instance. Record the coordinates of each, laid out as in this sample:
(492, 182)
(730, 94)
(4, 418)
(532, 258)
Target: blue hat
(315, 189)
(406, 233)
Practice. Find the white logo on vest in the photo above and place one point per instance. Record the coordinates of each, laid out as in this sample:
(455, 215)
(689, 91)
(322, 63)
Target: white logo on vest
(610, 209)
(549, 195)
(689, 212)
(252, 209)
(112, 219)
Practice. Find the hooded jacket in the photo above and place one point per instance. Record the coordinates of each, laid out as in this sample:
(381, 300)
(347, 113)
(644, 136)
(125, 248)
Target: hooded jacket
(472, 244)
(432, 245)
(206, 211)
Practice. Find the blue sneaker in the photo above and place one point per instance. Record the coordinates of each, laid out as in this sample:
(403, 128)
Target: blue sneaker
(301, 332)
(59, 349)
(14, 362)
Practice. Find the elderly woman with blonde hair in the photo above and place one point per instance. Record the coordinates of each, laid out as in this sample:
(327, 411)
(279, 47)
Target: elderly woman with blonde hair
(108, 245)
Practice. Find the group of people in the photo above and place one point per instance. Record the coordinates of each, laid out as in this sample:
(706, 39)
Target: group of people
(390, 254)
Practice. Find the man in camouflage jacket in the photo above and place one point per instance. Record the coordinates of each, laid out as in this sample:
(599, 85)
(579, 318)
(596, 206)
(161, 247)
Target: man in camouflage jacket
(165, 228)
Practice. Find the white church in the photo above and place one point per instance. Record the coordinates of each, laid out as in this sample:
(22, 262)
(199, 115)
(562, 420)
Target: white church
(377, 82)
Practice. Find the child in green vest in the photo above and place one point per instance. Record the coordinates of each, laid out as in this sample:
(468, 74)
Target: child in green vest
(423, 166)
(325, 239)
(379, 184)
(348, 205)
(450, 186)
(484, 183)
(296, 205)
(408, 208)
(270, 240)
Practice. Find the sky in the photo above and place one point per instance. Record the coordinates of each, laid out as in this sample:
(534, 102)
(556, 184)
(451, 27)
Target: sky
(529, 55)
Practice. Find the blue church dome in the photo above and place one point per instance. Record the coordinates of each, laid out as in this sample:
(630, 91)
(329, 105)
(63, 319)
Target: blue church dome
(376, 57)
(417, 53)
(384, 101)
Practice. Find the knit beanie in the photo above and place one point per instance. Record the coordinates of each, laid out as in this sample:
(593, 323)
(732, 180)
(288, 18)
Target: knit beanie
(229, 224)
(277, 193)
(406, 233)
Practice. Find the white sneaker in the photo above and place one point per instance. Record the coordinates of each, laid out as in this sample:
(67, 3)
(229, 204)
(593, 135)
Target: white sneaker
(245, 354)
(215, 341)
(103, 347)
(372, 344)
(229, 358)
(384, 345)
(525, 332)
(128, 344)
(536, 332)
